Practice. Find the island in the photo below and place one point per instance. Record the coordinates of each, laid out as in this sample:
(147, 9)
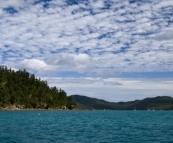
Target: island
(22, 90)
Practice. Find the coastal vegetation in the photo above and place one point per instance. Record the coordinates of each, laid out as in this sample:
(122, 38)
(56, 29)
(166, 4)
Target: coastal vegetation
(156, 103)
(23, 90)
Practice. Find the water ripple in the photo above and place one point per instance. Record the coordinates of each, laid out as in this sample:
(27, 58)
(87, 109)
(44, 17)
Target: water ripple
(85, 126)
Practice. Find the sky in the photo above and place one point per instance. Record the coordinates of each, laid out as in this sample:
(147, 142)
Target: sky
(108, 49)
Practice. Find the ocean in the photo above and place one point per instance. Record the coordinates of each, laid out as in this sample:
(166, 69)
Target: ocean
(108, 126)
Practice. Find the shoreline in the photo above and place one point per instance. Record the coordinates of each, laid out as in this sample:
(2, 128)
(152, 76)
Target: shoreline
(37, 109)
(22, 108)
(34, 109)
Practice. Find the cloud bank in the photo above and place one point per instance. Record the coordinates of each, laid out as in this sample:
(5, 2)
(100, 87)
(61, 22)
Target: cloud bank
(114, 89)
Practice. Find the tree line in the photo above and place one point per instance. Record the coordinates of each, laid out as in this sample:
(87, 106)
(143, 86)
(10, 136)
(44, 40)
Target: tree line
(24, 89)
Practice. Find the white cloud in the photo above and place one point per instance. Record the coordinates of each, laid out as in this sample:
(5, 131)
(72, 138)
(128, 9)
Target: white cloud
(15, 3)
(12, 3)
(96, 4)
(162, 4)
(72, 62)
(165, 36)
(114, 89)
(34, 64)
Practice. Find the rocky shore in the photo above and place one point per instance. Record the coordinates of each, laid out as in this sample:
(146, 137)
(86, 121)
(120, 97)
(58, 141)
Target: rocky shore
(21, 107)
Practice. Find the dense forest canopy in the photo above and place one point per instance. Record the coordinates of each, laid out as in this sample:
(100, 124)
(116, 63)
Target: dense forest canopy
(152, 103)
(23, 89)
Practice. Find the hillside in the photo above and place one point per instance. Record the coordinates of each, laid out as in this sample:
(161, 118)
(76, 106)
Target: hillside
(157, 103)
(23, 90)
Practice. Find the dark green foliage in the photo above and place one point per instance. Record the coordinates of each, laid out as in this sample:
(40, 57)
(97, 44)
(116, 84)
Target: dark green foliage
(24, 89)
(85, 102)
(157, 103)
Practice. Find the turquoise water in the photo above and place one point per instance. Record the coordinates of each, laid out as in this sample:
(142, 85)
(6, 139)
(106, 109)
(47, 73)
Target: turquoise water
(86, 126)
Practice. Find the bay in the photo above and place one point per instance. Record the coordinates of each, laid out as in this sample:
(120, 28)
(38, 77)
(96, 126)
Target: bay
(86, 126)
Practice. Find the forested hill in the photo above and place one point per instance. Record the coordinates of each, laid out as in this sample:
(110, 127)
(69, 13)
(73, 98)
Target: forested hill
(23, 90)
(156, 103)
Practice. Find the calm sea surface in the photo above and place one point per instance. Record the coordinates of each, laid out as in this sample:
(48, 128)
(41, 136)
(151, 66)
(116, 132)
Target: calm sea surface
(86, 126)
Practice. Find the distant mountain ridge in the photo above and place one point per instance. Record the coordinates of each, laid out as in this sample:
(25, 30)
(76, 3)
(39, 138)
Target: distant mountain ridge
(156, 103)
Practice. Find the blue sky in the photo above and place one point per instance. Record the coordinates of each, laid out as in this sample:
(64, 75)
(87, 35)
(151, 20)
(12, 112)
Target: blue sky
(110, 49)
